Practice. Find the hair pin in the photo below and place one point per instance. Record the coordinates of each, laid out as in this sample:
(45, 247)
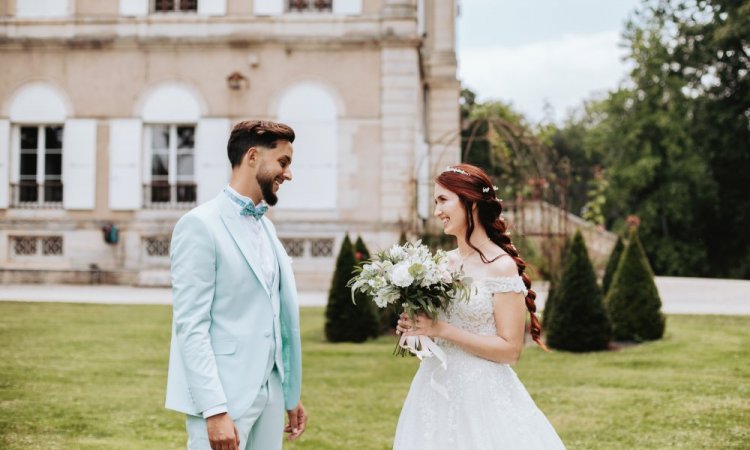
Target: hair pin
(456, 170)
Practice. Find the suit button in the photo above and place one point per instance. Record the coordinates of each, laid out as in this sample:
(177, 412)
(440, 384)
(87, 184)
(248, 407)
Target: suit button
(267, 334)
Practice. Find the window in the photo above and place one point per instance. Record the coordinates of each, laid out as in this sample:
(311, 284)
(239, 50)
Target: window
(157, 246)
(40, 167)
(36, 245)
(52, 245)
(310, 5)
(315, 248)
(175, 5)
(321, 248)
(172, 156)
(294, 247)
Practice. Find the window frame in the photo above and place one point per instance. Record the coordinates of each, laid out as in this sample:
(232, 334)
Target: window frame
(152, 8)
(174, 181)
(39, 247)
(305, 247)
(42, 181)
(310, 8)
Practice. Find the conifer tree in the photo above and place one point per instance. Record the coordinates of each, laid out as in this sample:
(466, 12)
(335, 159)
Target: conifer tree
(633, 301)
(554, 282)
(614, 258)
(346, 321)
(579, 320)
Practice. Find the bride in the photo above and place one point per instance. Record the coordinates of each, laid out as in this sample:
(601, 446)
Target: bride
(476, 402)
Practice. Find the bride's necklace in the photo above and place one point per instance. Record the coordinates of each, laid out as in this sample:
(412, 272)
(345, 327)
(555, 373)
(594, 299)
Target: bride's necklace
(472, 251)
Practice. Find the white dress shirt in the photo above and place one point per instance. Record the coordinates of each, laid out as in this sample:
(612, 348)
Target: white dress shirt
(261, 249)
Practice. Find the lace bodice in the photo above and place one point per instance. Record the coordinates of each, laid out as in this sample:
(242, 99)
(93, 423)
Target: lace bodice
(477, 315)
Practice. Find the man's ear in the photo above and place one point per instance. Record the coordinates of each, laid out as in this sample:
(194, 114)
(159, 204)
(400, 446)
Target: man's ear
(251, 156)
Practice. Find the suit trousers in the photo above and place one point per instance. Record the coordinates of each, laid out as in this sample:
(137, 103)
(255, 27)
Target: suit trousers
(261, 427)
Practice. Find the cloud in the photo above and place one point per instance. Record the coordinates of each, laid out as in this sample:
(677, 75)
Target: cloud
(562, 72)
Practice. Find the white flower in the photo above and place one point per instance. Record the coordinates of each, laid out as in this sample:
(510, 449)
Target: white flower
(380, 301)
(400, 275)
(447, 277)
(386, 296)
(397, 253)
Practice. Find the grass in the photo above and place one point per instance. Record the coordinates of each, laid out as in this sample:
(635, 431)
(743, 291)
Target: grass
(93, 377)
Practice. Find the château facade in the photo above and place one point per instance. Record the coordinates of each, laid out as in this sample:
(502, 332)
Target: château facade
(114, 114)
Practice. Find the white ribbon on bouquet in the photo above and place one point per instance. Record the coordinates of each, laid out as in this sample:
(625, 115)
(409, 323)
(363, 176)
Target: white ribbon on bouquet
(424, 347)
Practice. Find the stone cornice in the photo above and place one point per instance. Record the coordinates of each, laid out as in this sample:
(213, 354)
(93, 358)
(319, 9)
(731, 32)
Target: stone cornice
(315, 32)
(204, 27)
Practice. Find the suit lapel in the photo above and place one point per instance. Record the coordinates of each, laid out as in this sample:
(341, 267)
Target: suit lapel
(285, 268)
(239, 232)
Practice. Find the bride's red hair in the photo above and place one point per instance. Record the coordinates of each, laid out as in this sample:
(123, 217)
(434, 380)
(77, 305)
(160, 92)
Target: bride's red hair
(474, 187)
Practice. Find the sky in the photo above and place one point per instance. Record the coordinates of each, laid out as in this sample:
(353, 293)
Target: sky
(535, 52)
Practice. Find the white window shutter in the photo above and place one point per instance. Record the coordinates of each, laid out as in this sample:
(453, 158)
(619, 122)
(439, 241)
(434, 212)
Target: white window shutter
(268, 7)
(125, 190)
(4, 163)
(347, 7)
(133, 7)
(212, 166)
(42, 8)
(212, 7)
(79, 164)
(314, 168)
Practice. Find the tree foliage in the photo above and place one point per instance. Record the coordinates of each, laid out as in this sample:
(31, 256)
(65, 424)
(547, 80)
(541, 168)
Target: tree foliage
(671, 144)
(674, 136)
(578, 320)
(388, 316)
(633, 301)
(345, 320)
(612, 263)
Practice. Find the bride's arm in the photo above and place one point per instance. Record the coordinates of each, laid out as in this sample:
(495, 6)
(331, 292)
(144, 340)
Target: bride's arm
(510, 321)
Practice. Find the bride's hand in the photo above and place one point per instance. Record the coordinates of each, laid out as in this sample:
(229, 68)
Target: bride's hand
(421, 325)
(404, 324)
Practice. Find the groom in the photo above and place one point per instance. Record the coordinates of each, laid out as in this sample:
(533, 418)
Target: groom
(235, 359)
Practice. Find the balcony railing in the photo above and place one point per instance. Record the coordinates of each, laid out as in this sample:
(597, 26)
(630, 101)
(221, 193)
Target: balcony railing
(31, 195)
(310, 5)
(169, 196)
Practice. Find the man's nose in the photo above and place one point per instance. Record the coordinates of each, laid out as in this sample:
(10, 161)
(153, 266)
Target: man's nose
(288, 174)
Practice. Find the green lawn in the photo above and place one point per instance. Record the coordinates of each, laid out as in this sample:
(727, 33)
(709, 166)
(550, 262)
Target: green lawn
(93, 376)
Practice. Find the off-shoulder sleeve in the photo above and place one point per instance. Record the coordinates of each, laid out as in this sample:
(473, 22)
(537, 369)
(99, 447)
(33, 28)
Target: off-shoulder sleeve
(506, 284)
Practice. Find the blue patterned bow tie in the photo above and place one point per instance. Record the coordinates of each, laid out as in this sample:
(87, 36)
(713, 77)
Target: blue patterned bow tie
(252, 210)
(248, 208)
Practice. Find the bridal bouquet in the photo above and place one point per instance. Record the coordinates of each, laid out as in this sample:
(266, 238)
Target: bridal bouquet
(420, 281)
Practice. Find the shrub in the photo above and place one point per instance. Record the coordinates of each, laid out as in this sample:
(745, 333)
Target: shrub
(579, 320)
(633, 300)
(614, 258)
(554, 282)
(346, 321)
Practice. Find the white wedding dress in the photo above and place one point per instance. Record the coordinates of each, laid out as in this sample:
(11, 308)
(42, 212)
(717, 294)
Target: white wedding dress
(487, 406)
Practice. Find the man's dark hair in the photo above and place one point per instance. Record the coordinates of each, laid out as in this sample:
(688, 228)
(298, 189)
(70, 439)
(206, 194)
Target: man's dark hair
(256, 133)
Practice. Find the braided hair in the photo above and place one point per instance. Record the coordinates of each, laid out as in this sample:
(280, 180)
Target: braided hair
(474, 187)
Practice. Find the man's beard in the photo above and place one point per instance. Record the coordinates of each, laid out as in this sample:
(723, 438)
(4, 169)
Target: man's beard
(266, 188)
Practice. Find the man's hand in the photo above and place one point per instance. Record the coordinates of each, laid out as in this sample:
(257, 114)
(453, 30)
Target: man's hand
(297, 421)
(222, 434)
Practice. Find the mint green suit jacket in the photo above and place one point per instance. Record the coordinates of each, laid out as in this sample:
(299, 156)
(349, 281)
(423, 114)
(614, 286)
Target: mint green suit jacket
(223, 315)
